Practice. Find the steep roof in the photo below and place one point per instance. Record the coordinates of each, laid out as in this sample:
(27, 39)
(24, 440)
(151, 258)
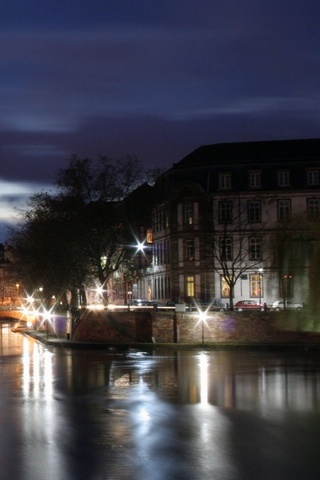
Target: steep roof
(249, 152)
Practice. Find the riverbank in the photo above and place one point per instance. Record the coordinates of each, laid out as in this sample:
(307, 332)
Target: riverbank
(149, 330)
(303, 341)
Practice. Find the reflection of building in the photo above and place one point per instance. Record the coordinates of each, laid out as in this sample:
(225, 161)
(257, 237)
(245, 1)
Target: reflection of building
(254, 204)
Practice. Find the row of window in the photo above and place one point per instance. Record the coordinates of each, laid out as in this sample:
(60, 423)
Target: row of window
(255, 176)
(227, 215)
(254, 210)
(161, 250)
(255, 286)
(254, 248)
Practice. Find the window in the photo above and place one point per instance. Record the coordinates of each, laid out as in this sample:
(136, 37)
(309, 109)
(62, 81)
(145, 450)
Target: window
(313, 177)
(284, 210)
(225, 212)
(286, 286)
(313, 206)
(256, 282)
(190, 286)
(226, 248)
(283, 178)
(188, 214)
(225, 289)
(254, 211)
(189, 250)
(255, 248)
(158, 219)
(149, 238)
(225, 181)
(254, 179)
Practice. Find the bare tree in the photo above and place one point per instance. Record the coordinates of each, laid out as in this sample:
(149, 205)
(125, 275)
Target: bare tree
(80, 235)
(237, 242)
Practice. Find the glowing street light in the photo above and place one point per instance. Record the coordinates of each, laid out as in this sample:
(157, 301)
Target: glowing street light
(202, 318)
(260, 286)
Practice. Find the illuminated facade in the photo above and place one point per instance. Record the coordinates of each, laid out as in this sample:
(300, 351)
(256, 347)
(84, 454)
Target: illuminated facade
(251, 207)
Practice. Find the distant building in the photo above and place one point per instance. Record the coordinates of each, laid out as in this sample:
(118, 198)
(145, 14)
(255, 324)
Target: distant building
(11, 290)
(247, 209)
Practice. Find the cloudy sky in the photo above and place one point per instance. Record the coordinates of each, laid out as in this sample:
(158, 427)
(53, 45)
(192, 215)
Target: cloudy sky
(151, 78)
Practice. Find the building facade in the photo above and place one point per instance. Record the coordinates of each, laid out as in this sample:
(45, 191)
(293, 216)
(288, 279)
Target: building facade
(236, 221)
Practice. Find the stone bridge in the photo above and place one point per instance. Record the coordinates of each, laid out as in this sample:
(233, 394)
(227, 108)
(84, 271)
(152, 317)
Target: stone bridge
(13, 314)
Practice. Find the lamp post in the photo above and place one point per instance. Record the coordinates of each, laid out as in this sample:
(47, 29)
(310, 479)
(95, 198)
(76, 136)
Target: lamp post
(140, 252)
(260, 286)
(202, 317)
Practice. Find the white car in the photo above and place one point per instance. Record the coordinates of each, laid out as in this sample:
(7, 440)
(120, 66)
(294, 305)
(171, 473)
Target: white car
(278, 305)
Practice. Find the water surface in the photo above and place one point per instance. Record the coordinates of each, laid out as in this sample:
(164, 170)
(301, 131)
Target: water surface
(225, 415)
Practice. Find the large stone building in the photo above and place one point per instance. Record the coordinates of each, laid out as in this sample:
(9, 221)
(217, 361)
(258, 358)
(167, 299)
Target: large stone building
(239, 216)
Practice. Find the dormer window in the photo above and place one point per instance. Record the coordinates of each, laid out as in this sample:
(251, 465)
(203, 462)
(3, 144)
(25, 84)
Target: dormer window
(225, 181)
(255, 179)
(312, 178)
(283, 178)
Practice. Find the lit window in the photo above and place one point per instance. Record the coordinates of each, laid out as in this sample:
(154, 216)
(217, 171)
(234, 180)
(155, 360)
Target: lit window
(256, 285)
(225, 289)
(283, 178)
(313, 208)
(225, 181)
(284, 210)
(254, 211)
(149, 238)
(313, 177)
(190, 286)
(255, 249)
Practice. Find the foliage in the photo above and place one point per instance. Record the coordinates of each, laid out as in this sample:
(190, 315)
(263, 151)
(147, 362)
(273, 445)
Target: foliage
(295, 247)
(81, 234)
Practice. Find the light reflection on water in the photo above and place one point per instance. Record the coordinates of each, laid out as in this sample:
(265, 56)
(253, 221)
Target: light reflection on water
(226, 415)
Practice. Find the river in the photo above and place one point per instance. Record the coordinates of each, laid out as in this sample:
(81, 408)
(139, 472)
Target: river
(99, 415)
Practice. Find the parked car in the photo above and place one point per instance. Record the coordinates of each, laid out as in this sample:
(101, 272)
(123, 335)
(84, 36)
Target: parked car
(215, 305)
(141, 303)
(172, 303)
(289, 305)
(247, 305)
(145, 303)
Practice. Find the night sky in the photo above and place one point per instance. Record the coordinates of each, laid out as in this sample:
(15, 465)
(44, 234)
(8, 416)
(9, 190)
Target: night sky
(150, 78)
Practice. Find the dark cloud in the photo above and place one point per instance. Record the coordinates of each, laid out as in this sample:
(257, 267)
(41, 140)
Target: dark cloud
(155, 80)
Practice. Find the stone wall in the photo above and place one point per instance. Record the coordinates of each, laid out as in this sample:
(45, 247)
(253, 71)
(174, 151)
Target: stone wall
(186, 328)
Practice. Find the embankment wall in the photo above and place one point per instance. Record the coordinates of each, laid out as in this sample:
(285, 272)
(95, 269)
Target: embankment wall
(186, 328)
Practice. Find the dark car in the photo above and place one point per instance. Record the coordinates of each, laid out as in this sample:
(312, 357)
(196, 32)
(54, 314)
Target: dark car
(141, 303)
(216, 305)
(247, 305)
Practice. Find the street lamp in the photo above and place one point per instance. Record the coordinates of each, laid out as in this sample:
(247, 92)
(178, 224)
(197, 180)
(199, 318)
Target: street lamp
(260, 286)
(17, 295)
(202, 318)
